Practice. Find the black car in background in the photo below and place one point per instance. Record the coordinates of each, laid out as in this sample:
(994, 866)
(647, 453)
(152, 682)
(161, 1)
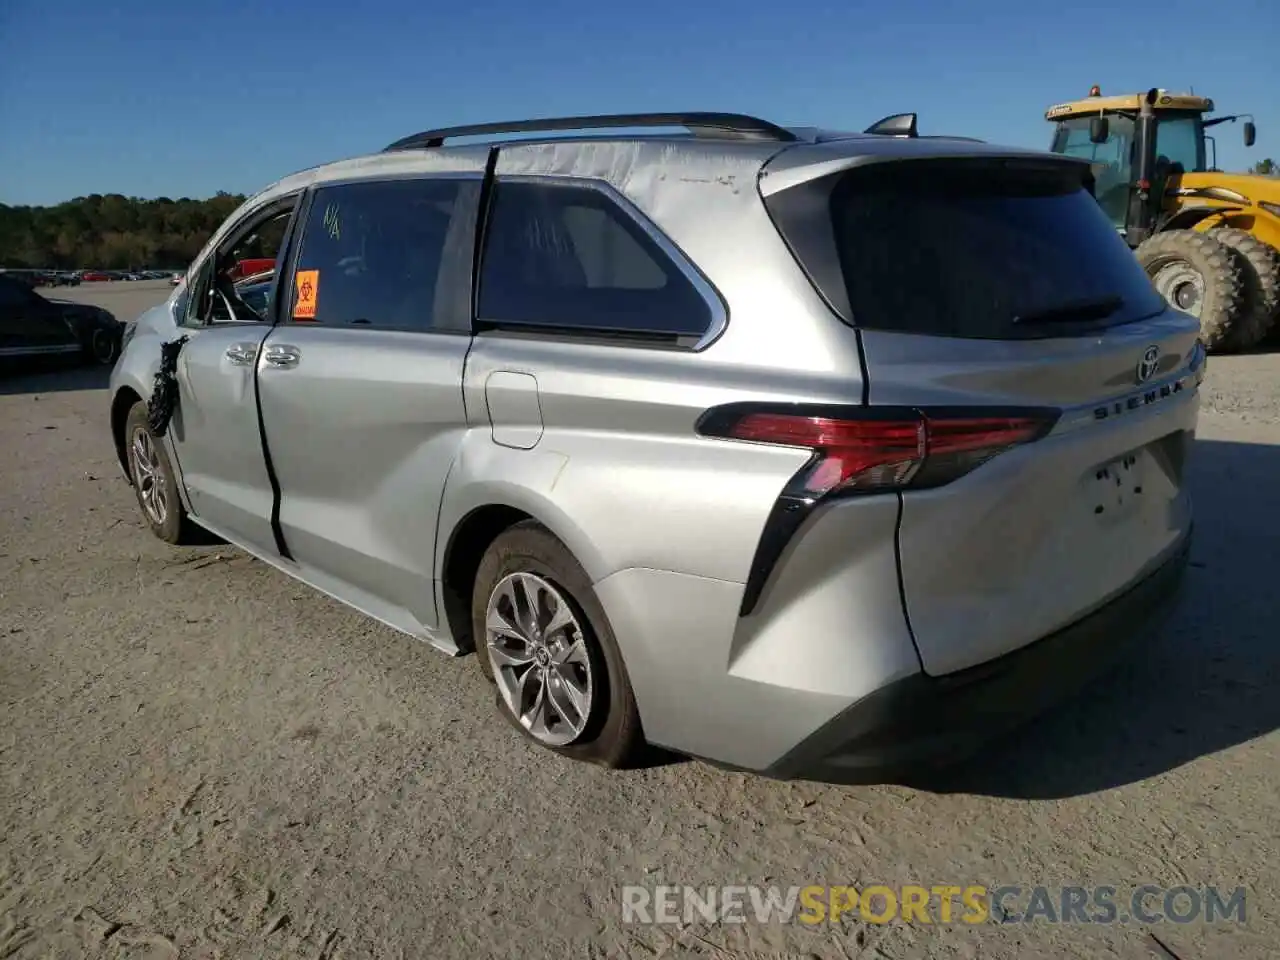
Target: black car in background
(43, 278)
(33, 326)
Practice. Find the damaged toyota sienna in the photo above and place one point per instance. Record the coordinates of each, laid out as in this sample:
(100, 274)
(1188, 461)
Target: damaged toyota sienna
(805, 452)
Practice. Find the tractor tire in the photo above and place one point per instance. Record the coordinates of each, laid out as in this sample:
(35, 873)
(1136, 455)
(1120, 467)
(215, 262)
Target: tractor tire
(1200, 276)
(1260, 265)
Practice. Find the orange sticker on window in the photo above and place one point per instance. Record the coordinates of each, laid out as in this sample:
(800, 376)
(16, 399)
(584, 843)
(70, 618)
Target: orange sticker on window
(307, 284)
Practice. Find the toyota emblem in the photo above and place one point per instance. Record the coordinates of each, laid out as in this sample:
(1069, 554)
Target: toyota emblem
(1148, 364)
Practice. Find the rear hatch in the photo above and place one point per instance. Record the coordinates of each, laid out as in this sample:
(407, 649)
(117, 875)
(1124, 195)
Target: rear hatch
(986, 284)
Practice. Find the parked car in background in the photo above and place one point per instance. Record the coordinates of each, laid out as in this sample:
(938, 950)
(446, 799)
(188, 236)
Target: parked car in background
(32, 325)
(807, 452)
(255, 291)
(29, 278)
(95, 276)
(250, 266)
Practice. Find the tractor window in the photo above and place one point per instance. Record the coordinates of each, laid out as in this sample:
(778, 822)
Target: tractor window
(1112, 161)
(1181, 139)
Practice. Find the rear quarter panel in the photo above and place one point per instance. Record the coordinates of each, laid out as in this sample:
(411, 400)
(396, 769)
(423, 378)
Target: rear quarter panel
(619, 473)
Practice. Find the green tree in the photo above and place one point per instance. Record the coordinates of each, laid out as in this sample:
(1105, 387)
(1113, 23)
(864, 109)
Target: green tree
(111, 231)
(1267, 167)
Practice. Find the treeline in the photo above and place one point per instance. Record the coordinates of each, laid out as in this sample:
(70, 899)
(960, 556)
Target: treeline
(111, 232)
(114, 232)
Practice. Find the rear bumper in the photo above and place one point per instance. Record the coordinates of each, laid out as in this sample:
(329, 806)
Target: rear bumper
(922, 721)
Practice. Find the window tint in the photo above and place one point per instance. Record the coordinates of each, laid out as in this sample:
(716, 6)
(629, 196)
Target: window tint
(962, 250)
(568, 256)
(1180, 141)
(382, 254)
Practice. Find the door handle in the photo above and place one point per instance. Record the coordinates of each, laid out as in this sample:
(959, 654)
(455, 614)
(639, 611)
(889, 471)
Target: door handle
(282, 355)
(243, 354)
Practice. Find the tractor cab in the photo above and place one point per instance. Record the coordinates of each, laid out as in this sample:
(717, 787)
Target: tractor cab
(1120, 135)
(1207, 239)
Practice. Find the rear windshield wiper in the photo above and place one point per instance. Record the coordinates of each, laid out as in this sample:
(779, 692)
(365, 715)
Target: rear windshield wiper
(1074, 311)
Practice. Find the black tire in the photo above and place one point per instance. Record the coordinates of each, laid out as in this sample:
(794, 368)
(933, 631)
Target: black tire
(175, 527)
(104, 346)
(1260, 265)
(1221, 306)
(612, 736)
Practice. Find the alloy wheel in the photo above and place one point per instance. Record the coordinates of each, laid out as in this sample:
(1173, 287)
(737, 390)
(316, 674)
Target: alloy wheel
(537, 649)
(149, 477)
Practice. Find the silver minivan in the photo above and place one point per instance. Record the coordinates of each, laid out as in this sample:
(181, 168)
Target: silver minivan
(805, 452)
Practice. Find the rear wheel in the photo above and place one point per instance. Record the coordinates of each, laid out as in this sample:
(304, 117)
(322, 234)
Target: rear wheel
(542, 637)
(1200, 276)
(104, 346)
(1260, 265)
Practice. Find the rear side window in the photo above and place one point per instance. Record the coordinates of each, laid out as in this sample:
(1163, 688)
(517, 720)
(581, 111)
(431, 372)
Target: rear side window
(564, 256)
(389, 254)
(980, 251)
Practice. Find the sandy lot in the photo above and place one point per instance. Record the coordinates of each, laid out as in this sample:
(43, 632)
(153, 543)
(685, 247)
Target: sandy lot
(202, 758)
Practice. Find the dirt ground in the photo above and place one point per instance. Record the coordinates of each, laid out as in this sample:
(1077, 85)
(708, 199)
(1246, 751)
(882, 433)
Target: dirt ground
(201, 758)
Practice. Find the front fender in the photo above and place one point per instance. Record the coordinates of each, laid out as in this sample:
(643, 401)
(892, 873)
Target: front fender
(1199, 217)
(1205, 208)
(135, 370)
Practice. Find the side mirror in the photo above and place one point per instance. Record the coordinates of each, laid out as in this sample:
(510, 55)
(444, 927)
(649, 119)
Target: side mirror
(1250, 133)
(1099, 129)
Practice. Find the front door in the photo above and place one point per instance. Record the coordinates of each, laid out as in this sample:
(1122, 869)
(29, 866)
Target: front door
(361, 386)
(216, 437)
(215, 433)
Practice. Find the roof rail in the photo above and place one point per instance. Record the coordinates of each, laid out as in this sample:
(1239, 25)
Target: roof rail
(730, 126)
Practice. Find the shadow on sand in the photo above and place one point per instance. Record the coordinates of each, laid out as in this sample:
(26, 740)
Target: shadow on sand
(51, 375)
(1209, 682)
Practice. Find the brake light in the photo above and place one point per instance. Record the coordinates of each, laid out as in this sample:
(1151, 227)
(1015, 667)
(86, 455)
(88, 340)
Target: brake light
(874, 449)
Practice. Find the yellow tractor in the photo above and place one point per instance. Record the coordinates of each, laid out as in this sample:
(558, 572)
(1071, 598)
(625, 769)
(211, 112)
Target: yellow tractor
(1210, 241)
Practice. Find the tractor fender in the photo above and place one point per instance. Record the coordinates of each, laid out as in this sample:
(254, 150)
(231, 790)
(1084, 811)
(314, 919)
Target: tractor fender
(1197, 217)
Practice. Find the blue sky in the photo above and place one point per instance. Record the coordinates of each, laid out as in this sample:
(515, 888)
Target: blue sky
(187, 97)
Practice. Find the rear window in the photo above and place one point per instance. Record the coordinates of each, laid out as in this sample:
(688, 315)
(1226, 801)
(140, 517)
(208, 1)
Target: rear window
(973, 250)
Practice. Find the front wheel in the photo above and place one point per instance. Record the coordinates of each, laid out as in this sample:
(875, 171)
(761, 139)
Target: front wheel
(154, 482)
(543, 639)
(1200, 276)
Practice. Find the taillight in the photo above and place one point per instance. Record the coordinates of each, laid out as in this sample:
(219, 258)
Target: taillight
(872, 449)
(864, 450)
